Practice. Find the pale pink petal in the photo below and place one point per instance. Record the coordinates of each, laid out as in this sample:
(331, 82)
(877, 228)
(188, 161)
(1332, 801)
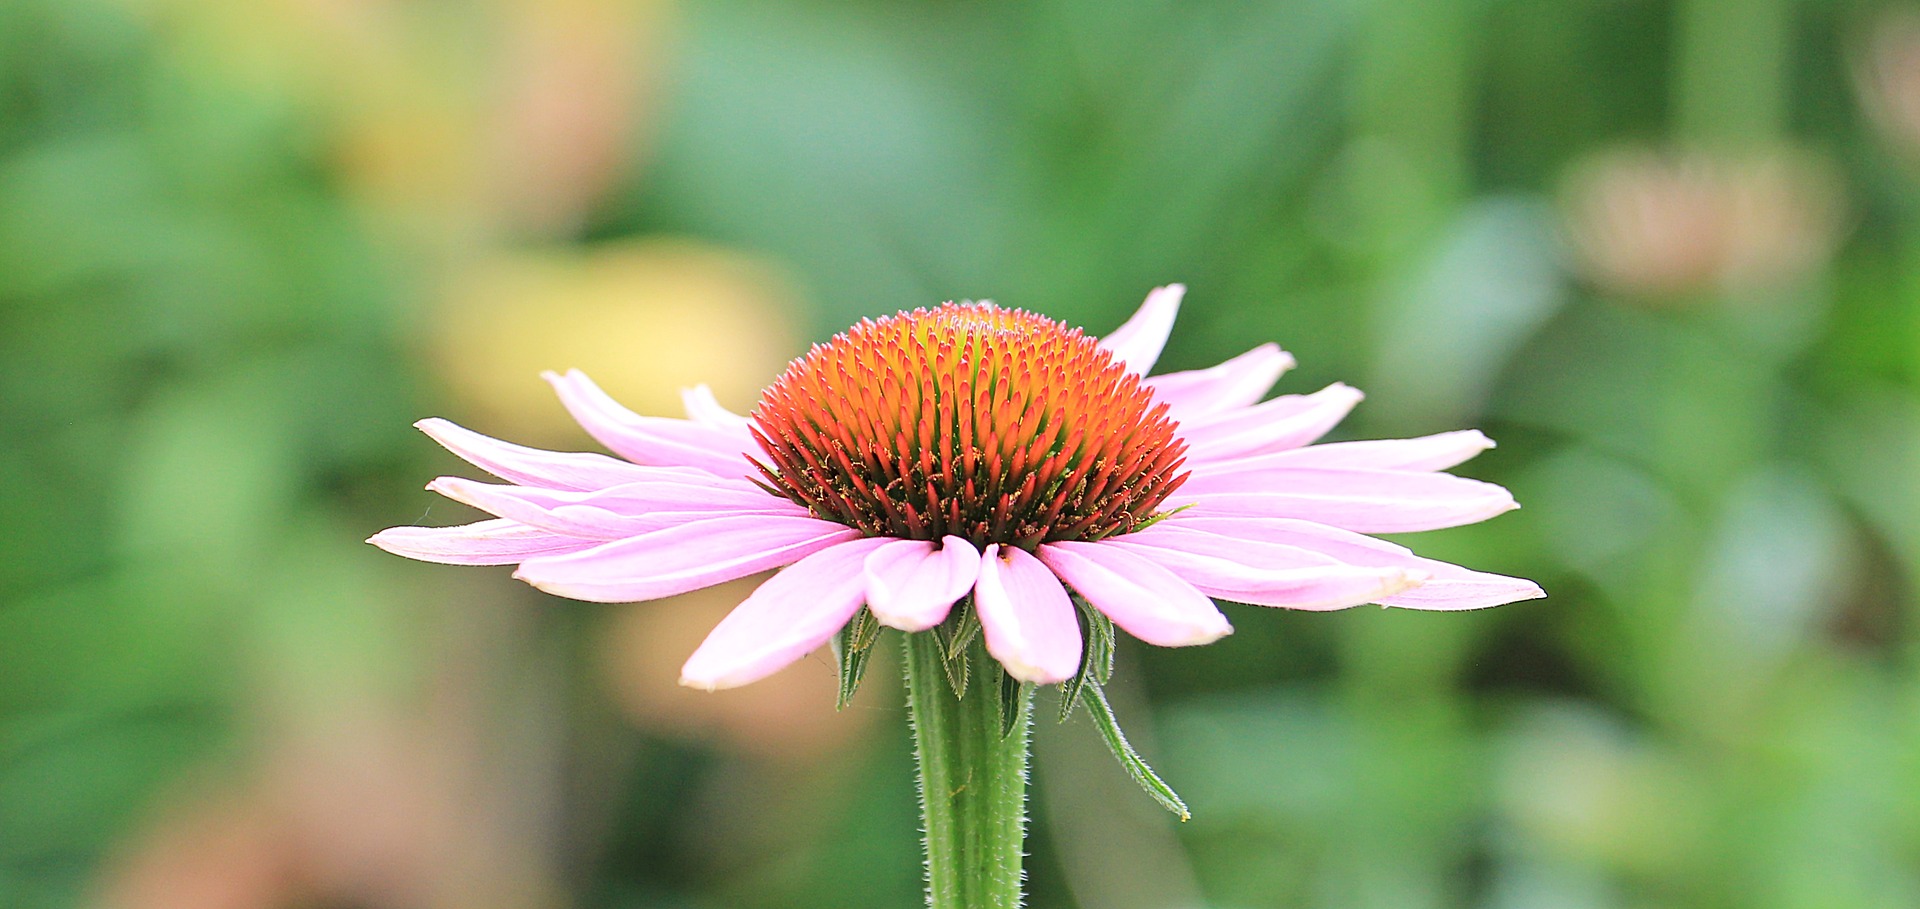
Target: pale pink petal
(1435, 452)
(1277, 425)
(620, 511)
(681, 558)
(1263, 571)
(912, 584)
(1450, 587)
(495, 542)
(1323, 587)
(1029, 623)
(1368, 501)
(662, 441)
(1329, 542)
(1148, 601)
(1138, 343)
(702, 407)
(1253, 552)
(531, 466)
(1239, 382)
(786, 618)
(1471, 590)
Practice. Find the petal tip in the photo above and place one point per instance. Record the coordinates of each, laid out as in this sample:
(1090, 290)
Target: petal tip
(699, 684)
(1202, 635)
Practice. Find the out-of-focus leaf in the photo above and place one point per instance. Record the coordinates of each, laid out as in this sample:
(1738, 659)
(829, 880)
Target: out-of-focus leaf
(1779, 562)
(1447, 334)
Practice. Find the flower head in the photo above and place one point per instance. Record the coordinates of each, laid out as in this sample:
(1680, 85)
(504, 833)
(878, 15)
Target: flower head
(992, 425)
(971, 449)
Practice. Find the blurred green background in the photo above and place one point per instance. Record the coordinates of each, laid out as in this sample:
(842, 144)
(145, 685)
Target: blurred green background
(1667, 253)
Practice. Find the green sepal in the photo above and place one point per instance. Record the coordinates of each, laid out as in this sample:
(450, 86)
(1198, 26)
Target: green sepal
(852, 649)
(1130, 760)
(954, 635)
(1096, 658)
(1015, 697)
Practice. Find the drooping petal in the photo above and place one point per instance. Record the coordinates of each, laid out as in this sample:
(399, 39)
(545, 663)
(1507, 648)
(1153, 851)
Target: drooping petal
(786, 618)
(1450, 586)
(702, 407)
(1328, 542)
(912, 584)
(1254, 552)
(1138, 342)
(1239, 382)
(1320, 587)
(1435, 452)
(1277, 425)
(1028, 621)
(681, 558)
(1368, 501)
(660, 441)
(1148, 601)
(620, 511)
(496, 542)
(1468, 590)
(531, 466)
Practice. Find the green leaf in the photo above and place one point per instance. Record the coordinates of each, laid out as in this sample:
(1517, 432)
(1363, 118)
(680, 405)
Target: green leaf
(1130, 760)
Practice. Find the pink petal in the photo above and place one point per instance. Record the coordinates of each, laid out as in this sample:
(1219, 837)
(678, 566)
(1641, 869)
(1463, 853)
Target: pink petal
(1368, 501)
(1450, 587)
(1277, 425)
(1148, 601)
(911, 585)
(1029, 623)
(1471, 590)
(1192, 538)
(1263, 573)
(1435, 452)
(662, 441)
(681, 558)
(703, 408)
(1331, 542)
(786, 618)
(1138, 342)
(619, 511)
(531, 466)
(1239, 382)
(494, 542)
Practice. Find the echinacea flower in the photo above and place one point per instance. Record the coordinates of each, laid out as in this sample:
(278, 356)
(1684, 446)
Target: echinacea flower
(969, 448)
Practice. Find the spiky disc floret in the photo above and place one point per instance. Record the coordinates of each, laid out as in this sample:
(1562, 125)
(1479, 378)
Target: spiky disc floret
(996, 425)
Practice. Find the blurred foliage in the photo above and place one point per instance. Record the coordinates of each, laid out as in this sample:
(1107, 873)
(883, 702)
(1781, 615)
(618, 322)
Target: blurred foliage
(1666, 251)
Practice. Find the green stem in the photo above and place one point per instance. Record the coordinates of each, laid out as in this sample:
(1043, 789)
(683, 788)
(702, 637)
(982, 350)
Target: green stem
(973, 780)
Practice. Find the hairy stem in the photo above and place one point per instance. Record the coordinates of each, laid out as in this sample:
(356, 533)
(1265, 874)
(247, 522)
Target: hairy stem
(973, 779)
